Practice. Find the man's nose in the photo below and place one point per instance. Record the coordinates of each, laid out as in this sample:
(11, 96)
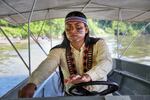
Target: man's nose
(73, 29)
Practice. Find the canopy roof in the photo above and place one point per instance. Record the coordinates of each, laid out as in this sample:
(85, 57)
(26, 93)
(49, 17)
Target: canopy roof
(128, 10)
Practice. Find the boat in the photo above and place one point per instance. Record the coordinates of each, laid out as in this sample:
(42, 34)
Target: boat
(132, 78)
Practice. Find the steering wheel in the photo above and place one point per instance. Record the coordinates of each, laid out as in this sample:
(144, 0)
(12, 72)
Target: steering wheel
(78, 90)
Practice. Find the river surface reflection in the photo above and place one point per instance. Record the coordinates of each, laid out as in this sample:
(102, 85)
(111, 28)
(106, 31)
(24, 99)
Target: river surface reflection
(13, 71)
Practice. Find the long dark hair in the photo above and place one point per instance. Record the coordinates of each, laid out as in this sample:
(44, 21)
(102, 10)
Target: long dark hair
(66, 43)
(76, 14)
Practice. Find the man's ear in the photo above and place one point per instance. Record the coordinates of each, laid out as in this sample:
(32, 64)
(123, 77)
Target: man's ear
(86, 29)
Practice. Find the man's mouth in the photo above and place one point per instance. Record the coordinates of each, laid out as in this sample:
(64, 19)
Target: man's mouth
(74, 38)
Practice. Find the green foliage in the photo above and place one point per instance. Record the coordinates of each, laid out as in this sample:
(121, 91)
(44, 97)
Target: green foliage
(109, 30)
(52, 27)
(104, 23)
(12, 32)
(94, 29)
(122, 26)
(3, 23)
(125, 27)
(55, 28)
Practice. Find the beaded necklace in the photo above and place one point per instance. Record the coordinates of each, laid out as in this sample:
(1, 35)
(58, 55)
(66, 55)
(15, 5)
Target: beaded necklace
(87, 59)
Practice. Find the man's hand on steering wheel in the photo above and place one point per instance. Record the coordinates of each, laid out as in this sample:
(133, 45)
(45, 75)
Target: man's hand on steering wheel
(75, 79)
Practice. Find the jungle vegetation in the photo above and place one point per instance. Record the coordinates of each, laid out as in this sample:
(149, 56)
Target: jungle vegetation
(55, 28)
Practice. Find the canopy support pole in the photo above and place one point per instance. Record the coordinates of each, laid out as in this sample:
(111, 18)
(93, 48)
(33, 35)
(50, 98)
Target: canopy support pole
(32, 36)
(42, 25)
(86, 5)
(12, 8)
(14, 48)
(119, 15)
(134, 40)
(29, 49)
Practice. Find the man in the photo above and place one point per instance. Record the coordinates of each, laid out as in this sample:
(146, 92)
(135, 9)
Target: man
(80, 58)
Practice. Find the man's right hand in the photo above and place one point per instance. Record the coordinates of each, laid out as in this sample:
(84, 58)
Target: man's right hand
(27, 91)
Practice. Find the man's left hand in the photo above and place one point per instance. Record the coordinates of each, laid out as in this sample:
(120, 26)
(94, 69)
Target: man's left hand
(78, 79)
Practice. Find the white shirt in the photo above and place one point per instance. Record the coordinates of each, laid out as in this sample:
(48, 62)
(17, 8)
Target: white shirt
(101, 66)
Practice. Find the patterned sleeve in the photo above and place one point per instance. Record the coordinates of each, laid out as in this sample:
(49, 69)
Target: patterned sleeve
(47, 67)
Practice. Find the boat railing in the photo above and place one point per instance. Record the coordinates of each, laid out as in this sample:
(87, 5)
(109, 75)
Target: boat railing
(41, 88)
(45, 89)
(50, 87)
(133, 78)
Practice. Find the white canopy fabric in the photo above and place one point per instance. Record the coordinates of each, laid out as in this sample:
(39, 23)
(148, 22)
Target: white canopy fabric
(125, 10)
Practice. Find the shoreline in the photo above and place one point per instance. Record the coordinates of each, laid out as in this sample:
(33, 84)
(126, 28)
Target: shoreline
(3, 40)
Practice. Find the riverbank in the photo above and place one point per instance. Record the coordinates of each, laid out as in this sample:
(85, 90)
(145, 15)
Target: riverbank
(3, 40)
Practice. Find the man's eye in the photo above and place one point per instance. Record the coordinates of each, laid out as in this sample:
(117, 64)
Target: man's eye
(67, 28)
(79, 28)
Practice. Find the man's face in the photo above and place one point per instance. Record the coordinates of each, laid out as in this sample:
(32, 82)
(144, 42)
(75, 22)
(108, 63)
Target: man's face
(75, 31)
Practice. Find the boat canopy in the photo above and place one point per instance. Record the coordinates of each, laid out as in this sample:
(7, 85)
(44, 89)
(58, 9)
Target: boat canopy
(125, 10)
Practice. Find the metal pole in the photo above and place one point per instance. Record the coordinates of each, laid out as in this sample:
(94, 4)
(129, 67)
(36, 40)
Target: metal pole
(29, 49)
(14, 48)
(50, 38)
(32, 36)
(12, 8)
(134, 40)
(86, 5)
(42, 25)
(119, 11)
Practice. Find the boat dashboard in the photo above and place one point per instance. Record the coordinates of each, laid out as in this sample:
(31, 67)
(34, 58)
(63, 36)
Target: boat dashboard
(132, 97)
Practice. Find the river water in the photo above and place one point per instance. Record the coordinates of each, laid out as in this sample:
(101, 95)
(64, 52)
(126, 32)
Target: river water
(13, 71)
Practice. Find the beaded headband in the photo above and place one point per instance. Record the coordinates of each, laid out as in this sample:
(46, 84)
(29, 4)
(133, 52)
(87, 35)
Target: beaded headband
(81, 19)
